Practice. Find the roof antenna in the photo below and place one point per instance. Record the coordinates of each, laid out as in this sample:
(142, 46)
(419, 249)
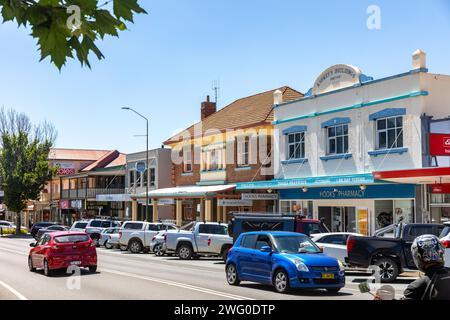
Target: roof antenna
(216, 89)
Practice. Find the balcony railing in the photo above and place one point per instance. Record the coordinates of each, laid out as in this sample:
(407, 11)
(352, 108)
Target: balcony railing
(89, 193)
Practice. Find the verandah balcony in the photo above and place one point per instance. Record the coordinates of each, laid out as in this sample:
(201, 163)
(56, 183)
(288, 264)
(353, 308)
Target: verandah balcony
(90, 193)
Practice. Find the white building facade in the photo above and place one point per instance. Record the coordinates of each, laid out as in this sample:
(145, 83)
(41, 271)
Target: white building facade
(347, 127)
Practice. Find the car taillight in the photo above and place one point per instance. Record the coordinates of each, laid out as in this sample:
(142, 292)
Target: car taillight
(446, 243)
(165, 238)
(350, 244)
(92, 244)
(154, 238)
(120, 234)
(109, 237)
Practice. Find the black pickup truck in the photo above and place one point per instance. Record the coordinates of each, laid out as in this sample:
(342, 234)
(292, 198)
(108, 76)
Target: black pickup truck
(390, 249)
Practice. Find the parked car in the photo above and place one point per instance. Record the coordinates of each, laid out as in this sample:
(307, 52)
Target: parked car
(445, 239)
(95, 227)
(391, 255)
(37, 226)
(79, 226)
(109, 238)
(158, 245)
(136, 236)
(247, 222)
(334, 244)
(61, 250)
(6, 224)
(50, 229)
(199, 239)
(285, 260)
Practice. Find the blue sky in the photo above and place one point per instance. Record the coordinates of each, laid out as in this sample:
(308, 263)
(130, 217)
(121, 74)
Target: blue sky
(164, 65)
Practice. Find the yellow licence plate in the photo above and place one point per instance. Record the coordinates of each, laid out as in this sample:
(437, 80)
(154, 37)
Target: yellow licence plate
(327, 276)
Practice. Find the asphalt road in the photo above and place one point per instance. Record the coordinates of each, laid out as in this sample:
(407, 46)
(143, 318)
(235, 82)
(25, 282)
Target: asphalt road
(124, 276)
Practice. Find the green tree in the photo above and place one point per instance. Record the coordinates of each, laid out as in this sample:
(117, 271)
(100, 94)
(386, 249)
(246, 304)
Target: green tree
(24, 165)
(70, 28)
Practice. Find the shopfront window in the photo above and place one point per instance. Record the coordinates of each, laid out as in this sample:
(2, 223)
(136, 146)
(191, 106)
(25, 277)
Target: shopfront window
(187, 159)
(337, 139)
(296, 145)
(152, 177)
(388, 212)
(296, 207)
(390, 133)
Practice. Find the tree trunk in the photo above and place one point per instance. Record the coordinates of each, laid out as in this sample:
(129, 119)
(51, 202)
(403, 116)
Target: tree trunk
(19, 223)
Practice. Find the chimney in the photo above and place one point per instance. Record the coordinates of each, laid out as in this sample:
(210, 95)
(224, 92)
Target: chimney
(208, 108)
(277, 97)
(419, 60)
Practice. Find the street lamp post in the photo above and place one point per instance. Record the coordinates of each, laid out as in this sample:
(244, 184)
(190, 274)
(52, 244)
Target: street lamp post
(146, 214)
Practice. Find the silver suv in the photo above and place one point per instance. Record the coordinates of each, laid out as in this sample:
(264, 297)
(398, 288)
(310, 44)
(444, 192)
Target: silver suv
(95, 227)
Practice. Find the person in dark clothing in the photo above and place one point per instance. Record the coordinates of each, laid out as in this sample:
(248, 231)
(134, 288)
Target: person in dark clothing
(428, 254)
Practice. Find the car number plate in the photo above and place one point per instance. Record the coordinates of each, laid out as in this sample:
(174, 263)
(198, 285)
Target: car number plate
(75, 263)
(327, 276)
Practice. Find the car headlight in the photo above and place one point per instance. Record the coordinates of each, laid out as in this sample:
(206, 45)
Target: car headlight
(341, 266)
(301, 266)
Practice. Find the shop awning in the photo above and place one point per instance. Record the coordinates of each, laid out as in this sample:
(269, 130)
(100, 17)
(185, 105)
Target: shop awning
(328, 181)
(435, 175)
(191, 191)
(113, 197)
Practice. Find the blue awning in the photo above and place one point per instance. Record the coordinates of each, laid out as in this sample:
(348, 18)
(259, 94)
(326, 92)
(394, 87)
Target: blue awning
(311, 182)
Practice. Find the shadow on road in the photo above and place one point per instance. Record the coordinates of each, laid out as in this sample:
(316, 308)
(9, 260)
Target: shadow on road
(297, 292)
(63, 273)
(398, 281)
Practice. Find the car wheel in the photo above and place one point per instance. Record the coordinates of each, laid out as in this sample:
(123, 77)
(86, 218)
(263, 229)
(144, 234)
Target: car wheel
(388, 270)
(108, 245)
(93, 269)
(135, 247)
(232, 275)
(281, 282)
(47, 271)
(185, 252)
(30, 265)
(158, 250)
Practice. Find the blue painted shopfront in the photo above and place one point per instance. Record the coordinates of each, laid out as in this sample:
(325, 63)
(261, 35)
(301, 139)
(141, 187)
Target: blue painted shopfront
(379, 191)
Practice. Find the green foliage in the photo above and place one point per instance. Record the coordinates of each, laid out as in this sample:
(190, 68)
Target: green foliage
(24, 165)
(59, 33)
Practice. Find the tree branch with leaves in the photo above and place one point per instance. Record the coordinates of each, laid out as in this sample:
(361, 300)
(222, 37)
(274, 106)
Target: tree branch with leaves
(24, 165)
(70, 28)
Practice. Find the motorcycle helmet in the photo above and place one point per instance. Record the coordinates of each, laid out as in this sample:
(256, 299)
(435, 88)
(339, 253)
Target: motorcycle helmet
(427, 250)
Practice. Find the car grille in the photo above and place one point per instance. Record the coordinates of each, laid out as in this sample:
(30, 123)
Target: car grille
(326, 281)
(324, 269)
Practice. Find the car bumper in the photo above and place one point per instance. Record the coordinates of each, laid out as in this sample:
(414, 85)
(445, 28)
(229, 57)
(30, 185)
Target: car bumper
(58, 262)
(316, 280)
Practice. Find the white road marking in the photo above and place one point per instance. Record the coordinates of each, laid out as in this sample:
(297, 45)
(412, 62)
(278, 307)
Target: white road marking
(13, 291)
(14, 251)
(178, 284)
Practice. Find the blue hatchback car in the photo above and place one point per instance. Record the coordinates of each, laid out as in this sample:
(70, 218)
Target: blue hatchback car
(285, 260)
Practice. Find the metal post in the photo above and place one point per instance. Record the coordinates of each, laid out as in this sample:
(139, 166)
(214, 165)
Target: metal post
(148, 180)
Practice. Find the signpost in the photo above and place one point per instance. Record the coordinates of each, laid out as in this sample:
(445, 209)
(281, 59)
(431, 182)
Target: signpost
(259, 196)
(234, 203)
(141, 166)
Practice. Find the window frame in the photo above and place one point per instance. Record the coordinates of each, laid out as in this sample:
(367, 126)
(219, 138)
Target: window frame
(386, 132)
(343, 135)
(243, 152)
(301, 144)
(187, 160)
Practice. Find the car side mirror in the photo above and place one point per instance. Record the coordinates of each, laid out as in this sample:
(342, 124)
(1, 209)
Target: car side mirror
(266, 249)
(321, 249)
(33, 244)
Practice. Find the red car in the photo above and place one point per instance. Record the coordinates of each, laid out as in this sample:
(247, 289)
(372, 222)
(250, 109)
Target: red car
(61, 250)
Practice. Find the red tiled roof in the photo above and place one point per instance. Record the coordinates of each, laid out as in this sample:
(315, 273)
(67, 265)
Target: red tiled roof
(76, 154)
(105, 161)
(242, 113)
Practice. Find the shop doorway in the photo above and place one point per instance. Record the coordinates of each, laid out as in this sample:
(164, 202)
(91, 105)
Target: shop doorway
(339, 219)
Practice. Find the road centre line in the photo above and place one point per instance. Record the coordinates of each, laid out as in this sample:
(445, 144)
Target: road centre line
(178, 284)
(13, 291)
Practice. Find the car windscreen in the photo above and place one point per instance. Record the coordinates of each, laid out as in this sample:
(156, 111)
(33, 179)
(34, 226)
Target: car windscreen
(295, 244)
(73, 238)
(445, 232)
(80, 225)
(96, 224)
